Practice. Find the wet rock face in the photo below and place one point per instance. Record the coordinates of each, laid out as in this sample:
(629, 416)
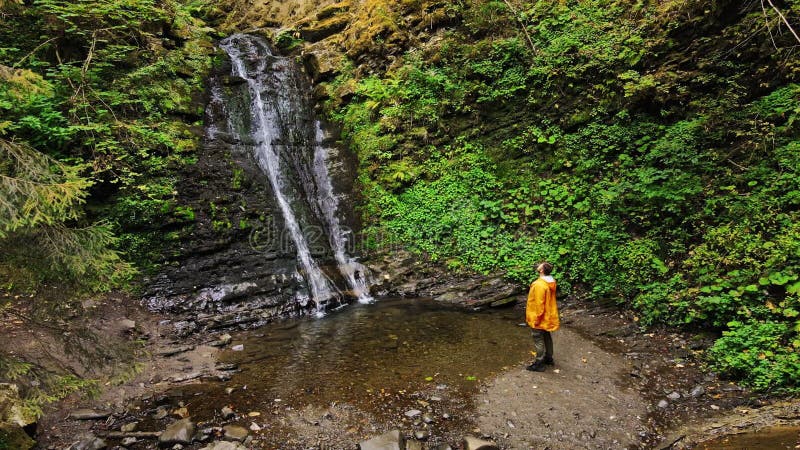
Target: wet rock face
(230, 268)
(399, 273)
(238, 265)
(226, 271)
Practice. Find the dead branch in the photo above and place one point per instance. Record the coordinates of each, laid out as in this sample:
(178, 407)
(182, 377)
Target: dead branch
(521, 24)
(32, 52)
(766, 21)
(783, 18)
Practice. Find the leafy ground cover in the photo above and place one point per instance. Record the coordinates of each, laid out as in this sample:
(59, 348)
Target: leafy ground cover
(649, 151)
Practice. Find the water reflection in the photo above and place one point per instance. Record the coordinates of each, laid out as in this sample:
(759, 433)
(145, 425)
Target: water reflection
(393, 345)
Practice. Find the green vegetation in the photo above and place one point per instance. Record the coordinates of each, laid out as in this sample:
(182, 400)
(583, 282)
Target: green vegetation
(100, 103)
(97, 104)
(44, 386)
(649, 151)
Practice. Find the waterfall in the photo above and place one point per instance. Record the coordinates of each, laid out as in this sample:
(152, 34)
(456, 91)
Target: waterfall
(326, 205)
(288, 144)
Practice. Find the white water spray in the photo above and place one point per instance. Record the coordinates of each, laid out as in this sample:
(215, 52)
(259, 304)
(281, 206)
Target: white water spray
(279, 127)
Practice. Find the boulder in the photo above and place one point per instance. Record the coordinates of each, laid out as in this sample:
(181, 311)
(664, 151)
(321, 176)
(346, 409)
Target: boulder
(13, 436)
(11, 410)
(392, 440)
(127, 324)
(180, 432)
(321, 29)
(473, 443)
(321, 61)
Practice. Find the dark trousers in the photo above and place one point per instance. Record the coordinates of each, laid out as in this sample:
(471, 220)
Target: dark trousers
(543, 343)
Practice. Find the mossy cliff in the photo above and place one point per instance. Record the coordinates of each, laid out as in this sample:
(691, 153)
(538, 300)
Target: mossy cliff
(649, 150)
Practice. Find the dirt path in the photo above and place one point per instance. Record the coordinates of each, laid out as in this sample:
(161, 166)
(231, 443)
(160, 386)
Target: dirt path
(584, 401)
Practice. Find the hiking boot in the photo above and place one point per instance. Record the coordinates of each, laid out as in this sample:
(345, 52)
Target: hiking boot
(548, 360)
(536, 367)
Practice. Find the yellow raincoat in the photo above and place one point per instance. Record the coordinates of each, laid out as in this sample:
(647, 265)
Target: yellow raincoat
(541, 312)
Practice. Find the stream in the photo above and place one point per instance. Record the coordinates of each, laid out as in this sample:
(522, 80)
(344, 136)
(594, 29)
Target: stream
(365, 364)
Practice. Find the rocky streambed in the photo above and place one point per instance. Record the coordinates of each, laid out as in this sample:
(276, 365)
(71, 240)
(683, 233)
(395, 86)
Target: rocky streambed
(434, 373)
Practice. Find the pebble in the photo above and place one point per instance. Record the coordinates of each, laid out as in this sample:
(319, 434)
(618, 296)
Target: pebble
(224, 445)
(674, 395)
(227, 412)
(128, 441)
(235, 432)
(89, 441)
(238, 347)
(663, 404)
(180, 432)
(161, 412)
(427, 418)
(128, 427)
(421, 435)
(697, 391)
(411, 413)
(414, 445)
(473, 443)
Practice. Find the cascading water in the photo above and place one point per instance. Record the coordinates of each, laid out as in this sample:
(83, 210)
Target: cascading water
(288, 144)
(325, 206)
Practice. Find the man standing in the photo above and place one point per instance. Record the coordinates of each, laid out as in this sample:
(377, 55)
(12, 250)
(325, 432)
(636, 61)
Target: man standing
(541, 314)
